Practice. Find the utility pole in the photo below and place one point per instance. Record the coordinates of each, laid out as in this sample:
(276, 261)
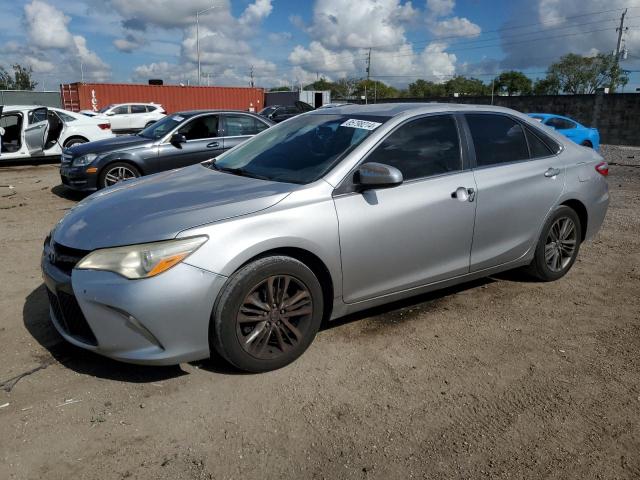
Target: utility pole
(366, 97)
(251, 73)
(621, 29)
(198, 13)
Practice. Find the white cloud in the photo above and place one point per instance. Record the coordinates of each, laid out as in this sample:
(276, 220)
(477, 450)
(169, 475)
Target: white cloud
(455, 27)
(47, 26)
(49, 37)
(561, 30)
(440, 8)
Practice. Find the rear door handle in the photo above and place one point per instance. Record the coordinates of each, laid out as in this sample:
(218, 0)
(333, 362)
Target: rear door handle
(213, 144)
(552, 172)
(464, 194)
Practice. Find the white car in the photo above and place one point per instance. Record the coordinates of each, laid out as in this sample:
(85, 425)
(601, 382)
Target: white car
(34, 131)
(130, 117)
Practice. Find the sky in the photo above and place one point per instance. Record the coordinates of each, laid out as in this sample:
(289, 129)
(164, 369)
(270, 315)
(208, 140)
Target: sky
(293, 42)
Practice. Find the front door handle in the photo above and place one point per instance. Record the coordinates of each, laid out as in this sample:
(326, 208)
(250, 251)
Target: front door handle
(213, 144)
(464, 194)
(552, 172)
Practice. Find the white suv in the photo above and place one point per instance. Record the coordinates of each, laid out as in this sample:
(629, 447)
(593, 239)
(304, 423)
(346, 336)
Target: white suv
(131, 117)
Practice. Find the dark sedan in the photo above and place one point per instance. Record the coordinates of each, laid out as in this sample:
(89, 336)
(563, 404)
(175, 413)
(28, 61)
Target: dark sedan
(176, 141)
(278, 113)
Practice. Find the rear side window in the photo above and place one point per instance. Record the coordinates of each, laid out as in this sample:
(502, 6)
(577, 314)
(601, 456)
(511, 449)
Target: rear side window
(138, 109)
(421, 148)
(238, 125)
(497, 139)
(537, 147)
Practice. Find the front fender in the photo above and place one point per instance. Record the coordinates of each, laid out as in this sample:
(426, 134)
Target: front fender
(309, 227)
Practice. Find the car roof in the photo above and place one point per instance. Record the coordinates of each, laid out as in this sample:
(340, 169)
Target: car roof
(395, 109)
(191, 113)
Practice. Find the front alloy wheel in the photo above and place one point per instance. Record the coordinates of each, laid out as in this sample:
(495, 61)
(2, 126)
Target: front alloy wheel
(274, 316)
(267, 314)
(116, 173)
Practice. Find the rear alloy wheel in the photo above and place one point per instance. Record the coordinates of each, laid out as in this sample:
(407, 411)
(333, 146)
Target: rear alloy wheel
(116, 173)
(558, 245)
(268, 314)
(74, 141)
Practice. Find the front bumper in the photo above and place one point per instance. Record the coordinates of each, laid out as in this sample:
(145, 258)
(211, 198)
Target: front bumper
(78, 179)
(162, 320)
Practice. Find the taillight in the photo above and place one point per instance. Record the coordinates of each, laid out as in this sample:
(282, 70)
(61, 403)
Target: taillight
(603, 168)
(104, 126)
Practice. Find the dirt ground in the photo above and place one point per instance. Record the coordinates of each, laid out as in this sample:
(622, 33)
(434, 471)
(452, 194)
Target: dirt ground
(503, 378)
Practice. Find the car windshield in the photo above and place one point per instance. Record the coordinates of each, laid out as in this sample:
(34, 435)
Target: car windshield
(102, 110)
(160, 128)
(300, 150)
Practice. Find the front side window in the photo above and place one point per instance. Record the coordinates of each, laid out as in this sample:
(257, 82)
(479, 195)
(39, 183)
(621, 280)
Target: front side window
(421, 148)
(238, 125)
(202, 127)
(121, 110)
(300, 150)
(497, 139)
(37, 115)
(160, 128)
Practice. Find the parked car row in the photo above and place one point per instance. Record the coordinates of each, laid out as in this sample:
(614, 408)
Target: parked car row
(177, 140)
(128, 117)
(322, 215)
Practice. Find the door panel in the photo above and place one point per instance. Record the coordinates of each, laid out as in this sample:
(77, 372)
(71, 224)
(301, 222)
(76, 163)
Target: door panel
(202, 144)
(119, 118)
(404, 237)
(513, 202)
(35, 133)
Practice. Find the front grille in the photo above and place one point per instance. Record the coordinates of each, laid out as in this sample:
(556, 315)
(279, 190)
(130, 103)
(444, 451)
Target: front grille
(70, 317)
(65, 258)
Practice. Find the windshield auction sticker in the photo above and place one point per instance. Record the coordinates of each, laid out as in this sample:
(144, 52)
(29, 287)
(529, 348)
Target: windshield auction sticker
(178, 118)
(364, 124)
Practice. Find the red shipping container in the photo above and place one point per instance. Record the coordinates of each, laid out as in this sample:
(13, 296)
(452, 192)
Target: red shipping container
(174, 98)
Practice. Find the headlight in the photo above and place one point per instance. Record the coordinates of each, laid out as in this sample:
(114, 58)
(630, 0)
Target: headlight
(84, 160)
(143, 260)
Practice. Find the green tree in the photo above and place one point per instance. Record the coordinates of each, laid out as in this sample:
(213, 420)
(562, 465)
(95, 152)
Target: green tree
(425, 88)
(280, 89)
(513, 82)
(465, 86)
(322, 84)
(344, 88)
(546, 86)
(375, 89)
(21, 79)
(584, 75)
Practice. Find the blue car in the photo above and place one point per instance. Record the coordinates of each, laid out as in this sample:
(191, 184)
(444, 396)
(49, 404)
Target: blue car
(588, 137)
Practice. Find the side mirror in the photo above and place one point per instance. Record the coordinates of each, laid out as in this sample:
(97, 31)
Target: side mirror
(377, 175)
(178, 138)
(110, 114)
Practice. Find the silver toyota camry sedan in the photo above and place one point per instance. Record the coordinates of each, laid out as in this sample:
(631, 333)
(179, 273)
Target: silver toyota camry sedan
(328, 213)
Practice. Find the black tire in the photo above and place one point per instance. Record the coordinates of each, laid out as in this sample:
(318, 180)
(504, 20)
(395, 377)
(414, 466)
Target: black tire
(74, 141)
(149, 124)
(275, 346)
(559, 260)
(587, 144)
(104, 178)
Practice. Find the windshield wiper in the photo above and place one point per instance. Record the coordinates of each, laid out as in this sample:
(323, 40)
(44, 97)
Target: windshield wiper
(239, 171)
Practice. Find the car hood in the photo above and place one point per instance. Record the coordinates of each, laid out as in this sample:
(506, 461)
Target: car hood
(110, 144)
(160, 206)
